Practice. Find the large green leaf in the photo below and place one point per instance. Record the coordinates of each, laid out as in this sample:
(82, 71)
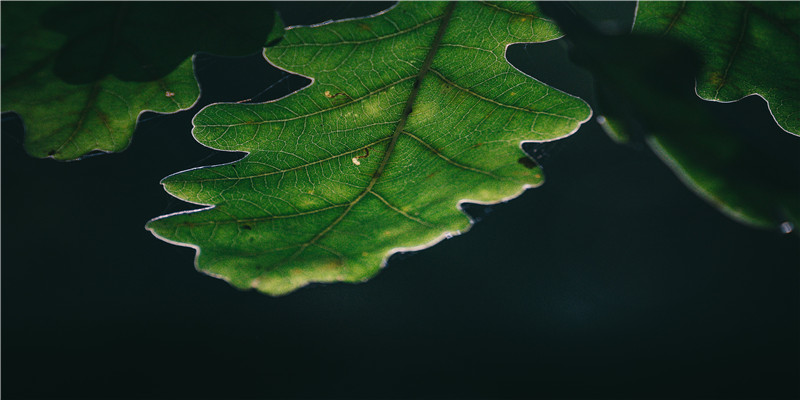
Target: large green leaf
(746, 48)
(79, 74)
(410, 112)
(644, 88)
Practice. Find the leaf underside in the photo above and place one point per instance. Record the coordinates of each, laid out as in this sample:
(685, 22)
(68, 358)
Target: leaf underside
(410, 112)
(747, 48)
(79, 74)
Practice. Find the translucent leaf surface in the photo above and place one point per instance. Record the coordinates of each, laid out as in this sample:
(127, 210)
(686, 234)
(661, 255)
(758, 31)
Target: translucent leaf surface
(410, 112)
(80, 74)
(746, 48)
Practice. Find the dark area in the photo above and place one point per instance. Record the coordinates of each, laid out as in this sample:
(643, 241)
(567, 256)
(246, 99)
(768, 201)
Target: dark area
(653, 95)
(126, 39)
(612, 280)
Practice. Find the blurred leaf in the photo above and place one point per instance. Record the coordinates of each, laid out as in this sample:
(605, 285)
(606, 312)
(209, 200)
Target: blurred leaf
(745, 47)
(410, 112)
(80, 73)
(644, 90)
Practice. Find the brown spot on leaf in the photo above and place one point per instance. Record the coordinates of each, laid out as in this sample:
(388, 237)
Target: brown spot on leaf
(330, 95)
(355, 159)
(527, 162)
(365, 154)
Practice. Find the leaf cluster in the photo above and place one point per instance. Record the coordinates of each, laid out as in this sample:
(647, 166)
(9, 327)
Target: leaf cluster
(411, 112)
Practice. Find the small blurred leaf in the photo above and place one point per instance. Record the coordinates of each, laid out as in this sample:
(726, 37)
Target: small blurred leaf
(746, 48)
(644, 89)
(79, 74)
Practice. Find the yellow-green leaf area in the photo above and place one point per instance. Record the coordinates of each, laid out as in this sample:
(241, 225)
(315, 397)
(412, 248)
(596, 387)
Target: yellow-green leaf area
(410, 112)
(80, 73)
(747, 48)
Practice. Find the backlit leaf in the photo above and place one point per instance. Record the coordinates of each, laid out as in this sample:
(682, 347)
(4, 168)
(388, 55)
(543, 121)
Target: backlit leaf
(410, 112)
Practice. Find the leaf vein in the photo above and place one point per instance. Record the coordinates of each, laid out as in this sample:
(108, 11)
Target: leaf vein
(399, 211)
(310, 114)
(452, 162)
(484, 98)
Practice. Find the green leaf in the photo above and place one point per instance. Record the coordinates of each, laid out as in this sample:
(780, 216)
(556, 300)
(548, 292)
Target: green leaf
(410, 113)
(644, 90)
(746, 48)
(80, 74)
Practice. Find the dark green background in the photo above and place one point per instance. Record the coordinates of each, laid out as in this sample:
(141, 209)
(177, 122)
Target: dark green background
(611, 280)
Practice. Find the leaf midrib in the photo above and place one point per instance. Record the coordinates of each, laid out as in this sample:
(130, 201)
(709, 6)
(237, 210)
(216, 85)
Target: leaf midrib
(397, 132)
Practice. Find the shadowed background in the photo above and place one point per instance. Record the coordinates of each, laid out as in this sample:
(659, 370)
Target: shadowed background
(610, 280)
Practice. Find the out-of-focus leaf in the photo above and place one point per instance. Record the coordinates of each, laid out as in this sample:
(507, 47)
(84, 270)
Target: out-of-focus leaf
(410, 112)
(746, 48)
(644, 89)
(79, 74)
